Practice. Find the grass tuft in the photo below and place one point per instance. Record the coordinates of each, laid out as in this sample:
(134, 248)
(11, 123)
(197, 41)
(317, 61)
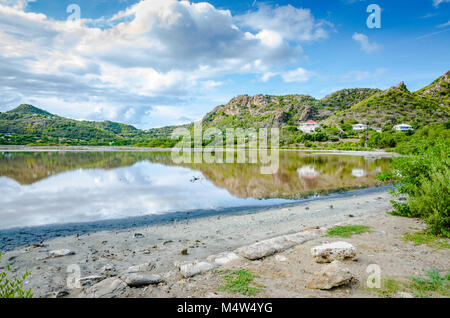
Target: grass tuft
(238, 281)
(432, 285)
(348, 230)
(425, 237)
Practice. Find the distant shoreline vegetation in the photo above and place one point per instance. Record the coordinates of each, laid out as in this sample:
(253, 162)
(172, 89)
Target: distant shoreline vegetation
(322, 139)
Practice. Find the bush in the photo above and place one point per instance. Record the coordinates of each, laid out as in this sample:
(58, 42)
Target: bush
(425, 179)
(12, 287)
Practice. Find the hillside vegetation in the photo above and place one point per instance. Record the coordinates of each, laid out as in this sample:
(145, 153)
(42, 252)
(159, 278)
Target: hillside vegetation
(336, 112)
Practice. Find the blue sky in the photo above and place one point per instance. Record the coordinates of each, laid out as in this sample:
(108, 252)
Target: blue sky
(153, 63)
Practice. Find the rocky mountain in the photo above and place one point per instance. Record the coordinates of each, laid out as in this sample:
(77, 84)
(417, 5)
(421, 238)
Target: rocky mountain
(398, 105)
(394, 105)
(277, 111)
(439, 90)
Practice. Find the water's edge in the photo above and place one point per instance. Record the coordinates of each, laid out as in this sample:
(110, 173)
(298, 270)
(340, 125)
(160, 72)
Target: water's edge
(19, 237)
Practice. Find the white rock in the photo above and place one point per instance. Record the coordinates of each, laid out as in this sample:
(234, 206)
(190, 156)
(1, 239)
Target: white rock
(281, 258)
(139, 280)
(277, 244)
(329, 276)
(107, 288)
(223, 258)
(89, 280)
(327, 253)
(61, 252)
(190, 269)
(146, 267)
(56, 253)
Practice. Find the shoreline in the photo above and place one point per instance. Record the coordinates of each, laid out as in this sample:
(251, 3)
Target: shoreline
(161, 245)
(20, 148)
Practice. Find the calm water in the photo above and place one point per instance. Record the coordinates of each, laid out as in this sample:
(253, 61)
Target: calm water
(38, 189)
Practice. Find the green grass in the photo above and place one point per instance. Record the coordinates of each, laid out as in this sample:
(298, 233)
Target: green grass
(432, 285)
(239, 281)
(425, 237)
(348, 230)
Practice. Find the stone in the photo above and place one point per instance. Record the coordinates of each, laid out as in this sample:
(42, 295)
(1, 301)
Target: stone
(56, 253)
(61, 293)
(108, 270)
(281, 258)
(189, 269)
(329, 276)
(327, 253)
(61, 252)
(278, 244)
(139, 280)
(107, 288)
(222, 258)
(146, 267)
(90, 280)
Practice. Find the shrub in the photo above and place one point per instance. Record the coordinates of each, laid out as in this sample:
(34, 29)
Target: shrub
(12, 287)
(425, 179)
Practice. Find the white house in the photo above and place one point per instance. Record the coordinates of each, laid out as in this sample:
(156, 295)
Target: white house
(377, 129)
(308, 126)
(403, 127)
(360, 127)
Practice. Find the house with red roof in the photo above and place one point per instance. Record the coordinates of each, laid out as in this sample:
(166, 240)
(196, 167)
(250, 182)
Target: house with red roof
(308, 126)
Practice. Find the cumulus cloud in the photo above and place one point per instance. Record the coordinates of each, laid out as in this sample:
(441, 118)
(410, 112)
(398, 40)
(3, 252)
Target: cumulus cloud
(288, 22)
(152, 53)
(298, 75)
(366, 45)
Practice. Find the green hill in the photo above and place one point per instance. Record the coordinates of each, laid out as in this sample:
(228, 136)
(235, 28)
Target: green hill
(30, 120)
(336, 111)
(278, 111)
(398, 105)
(26, 109)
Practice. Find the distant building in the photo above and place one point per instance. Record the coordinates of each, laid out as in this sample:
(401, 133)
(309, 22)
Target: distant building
(403, 127)
(378, 130)
(308, 126)
(360, 127)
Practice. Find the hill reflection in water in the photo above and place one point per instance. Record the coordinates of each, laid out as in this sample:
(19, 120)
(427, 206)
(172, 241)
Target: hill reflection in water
(56, 187)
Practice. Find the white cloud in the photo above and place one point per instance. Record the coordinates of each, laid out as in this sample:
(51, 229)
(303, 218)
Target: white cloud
(444, 25)
(17, 4)
(292, 24)
(270, 38)
(267, 76)
(437, 3)
(156, 52)
(298, 75)
(366, 45)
